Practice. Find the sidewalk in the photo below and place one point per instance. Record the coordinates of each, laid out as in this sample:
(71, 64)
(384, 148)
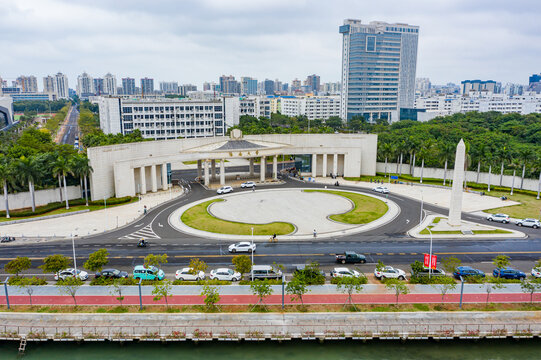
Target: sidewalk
(89, 223)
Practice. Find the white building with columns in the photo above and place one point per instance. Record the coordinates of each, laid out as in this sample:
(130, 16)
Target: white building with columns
(128, 169)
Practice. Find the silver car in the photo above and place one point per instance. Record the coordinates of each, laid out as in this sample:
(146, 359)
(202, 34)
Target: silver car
(503, 218)
(533, 223)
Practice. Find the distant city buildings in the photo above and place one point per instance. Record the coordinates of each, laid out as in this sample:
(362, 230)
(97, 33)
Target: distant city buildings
(379, 62)
(85, 86)
(109, 84)
(147, 86)
(128, 86)
(28, 84)
(169, 87)
(534, 83)
(313, 107)
(479, 85)
(248, 86)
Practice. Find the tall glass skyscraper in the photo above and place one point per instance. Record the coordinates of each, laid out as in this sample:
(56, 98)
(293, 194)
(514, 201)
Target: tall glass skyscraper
(379, 61)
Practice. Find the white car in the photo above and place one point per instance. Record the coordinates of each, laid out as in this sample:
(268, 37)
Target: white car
(66, 273)
(248, 184)
(342, 271)
(225, 274)
(225, 190)
(536, 272)
(503, 218)
(243, 246)
(186, 274)
(381, 189)
(533, 223)
(388, 272)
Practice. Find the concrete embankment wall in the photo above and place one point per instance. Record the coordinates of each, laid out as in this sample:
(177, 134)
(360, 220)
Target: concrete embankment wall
(471, 176)
(250, 326)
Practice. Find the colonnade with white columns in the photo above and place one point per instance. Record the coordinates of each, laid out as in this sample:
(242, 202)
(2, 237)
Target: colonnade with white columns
(326, 158)
(209, 175)
(153, 177)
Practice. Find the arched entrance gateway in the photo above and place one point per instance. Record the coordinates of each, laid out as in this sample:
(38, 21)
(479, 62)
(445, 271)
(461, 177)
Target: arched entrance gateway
(128, 169)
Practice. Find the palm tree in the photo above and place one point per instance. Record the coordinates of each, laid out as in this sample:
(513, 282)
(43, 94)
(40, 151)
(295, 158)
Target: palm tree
(386, 150)
(61, 167)
(401, 147)
(479, 152)
(526, 155)
(6, 173)
(80, 166)
(502, 155)
(26, 170)
(446, 152)
(426, 150)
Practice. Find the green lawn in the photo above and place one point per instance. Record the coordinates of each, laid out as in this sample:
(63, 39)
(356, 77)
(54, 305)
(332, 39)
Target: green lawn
(64, 211)
(199, 218)
(366, 208)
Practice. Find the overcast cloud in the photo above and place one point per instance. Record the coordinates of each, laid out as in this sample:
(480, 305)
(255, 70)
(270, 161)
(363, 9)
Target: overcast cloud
(196, 41)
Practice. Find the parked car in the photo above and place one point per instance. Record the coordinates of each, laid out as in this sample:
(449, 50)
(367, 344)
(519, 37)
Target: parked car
(225, 274)
(247, 184)
(388, 272)
(467, 271)
(224, 190)
(342, 271)
(262, 272)
(503, 218)
(66, 273)
(150, 273)
(112, 274)
(350, 257)
(243, 246)
(533, 223)
(509, 273)
(434, 272)
(187, 274)
(536, 272)
(381, 189)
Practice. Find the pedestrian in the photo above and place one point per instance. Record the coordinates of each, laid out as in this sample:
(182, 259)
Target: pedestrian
(315, 233)
(145, 210)
(273, 237)
(253, 188)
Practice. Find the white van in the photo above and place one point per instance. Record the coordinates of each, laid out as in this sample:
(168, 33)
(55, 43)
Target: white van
(262, 272)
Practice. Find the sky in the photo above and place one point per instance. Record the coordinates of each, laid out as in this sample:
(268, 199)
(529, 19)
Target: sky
(196, 41)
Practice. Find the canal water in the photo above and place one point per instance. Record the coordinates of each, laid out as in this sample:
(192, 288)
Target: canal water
(505, 349)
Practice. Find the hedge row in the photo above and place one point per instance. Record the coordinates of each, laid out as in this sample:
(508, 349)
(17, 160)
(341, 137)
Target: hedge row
(336, 280)
(16, 280)
(40, 210)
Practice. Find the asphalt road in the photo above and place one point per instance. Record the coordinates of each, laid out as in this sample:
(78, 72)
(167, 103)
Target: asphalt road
(72, 129)
(388, 243)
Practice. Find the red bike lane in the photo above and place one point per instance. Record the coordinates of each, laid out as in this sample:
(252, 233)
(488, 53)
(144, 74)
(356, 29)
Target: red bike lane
(276, 299)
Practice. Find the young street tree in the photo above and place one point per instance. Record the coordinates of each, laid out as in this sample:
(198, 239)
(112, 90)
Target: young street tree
(212, 297)
(197, 265)
(529, 287)
(445, 285)
(55, 263)
(116, 290)
(155, 260)
(349, 285)
(490, 286)
(27, 285)
(297, 288)
(97, 260)
(69, 286)
(262, 289)
(501, 261)
(398, 287)
(450, 263)
(161, 290)
(242, 263)
(18, 265)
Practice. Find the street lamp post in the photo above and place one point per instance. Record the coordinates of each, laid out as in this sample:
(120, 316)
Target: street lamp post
(6, 291)
(252, 254)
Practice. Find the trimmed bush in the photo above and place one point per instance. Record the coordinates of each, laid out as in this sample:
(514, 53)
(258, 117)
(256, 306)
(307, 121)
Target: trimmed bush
(16, 280)
(336, 280)
(270, 282)
(426, 280)
(103, 281)
(202, 282)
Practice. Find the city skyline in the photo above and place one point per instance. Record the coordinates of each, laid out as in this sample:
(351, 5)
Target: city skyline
(485, 40)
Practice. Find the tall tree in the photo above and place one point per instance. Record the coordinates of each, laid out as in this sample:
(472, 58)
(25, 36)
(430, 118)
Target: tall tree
(62, 167)
(26, 171)
(6, 176)
(80, 166)
(526, 154)
(446, 152)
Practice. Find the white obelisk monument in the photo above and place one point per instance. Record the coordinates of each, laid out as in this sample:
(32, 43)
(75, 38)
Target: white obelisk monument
(455, 210)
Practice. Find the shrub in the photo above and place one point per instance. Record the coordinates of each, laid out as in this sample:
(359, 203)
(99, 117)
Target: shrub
(16, 280)
(202, 282)
(362, 280)
(269, 281)
(103, 281)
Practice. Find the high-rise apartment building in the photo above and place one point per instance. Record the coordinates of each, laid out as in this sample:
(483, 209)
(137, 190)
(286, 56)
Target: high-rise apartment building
(379, 61)
(49, 84)
(85, 85)
(184, 89)
(128, 86)
(478, 85)
(62, 86)
(248, 86)
(313, 82)
(99, 86)
(169, 87)
(109, 84)
(228, 85)
(268, 87)
(147, 86)
(28, 83)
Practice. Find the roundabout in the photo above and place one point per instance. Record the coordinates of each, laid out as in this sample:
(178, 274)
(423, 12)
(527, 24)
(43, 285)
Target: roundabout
(291, 213)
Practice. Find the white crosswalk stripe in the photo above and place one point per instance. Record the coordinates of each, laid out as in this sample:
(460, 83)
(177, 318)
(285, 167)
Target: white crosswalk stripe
(145, 232)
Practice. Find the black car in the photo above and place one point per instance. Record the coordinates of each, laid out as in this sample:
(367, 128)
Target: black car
(112, 274)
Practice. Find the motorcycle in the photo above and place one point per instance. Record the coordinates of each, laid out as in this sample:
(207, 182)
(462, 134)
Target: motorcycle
(6, 239)
(142, 244)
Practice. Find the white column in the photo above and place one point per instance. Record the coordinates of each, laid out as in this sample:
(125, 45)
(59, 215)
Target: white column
(213, 169)
(153, 180)
(165, 186)
(455, 209)
(314, 165)
(252, 167)
(143, 179)
(324, 165)
(199, 168)
(262, 166)
(206, 170)
(222, 172)
(275, 167)
(335, 164)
